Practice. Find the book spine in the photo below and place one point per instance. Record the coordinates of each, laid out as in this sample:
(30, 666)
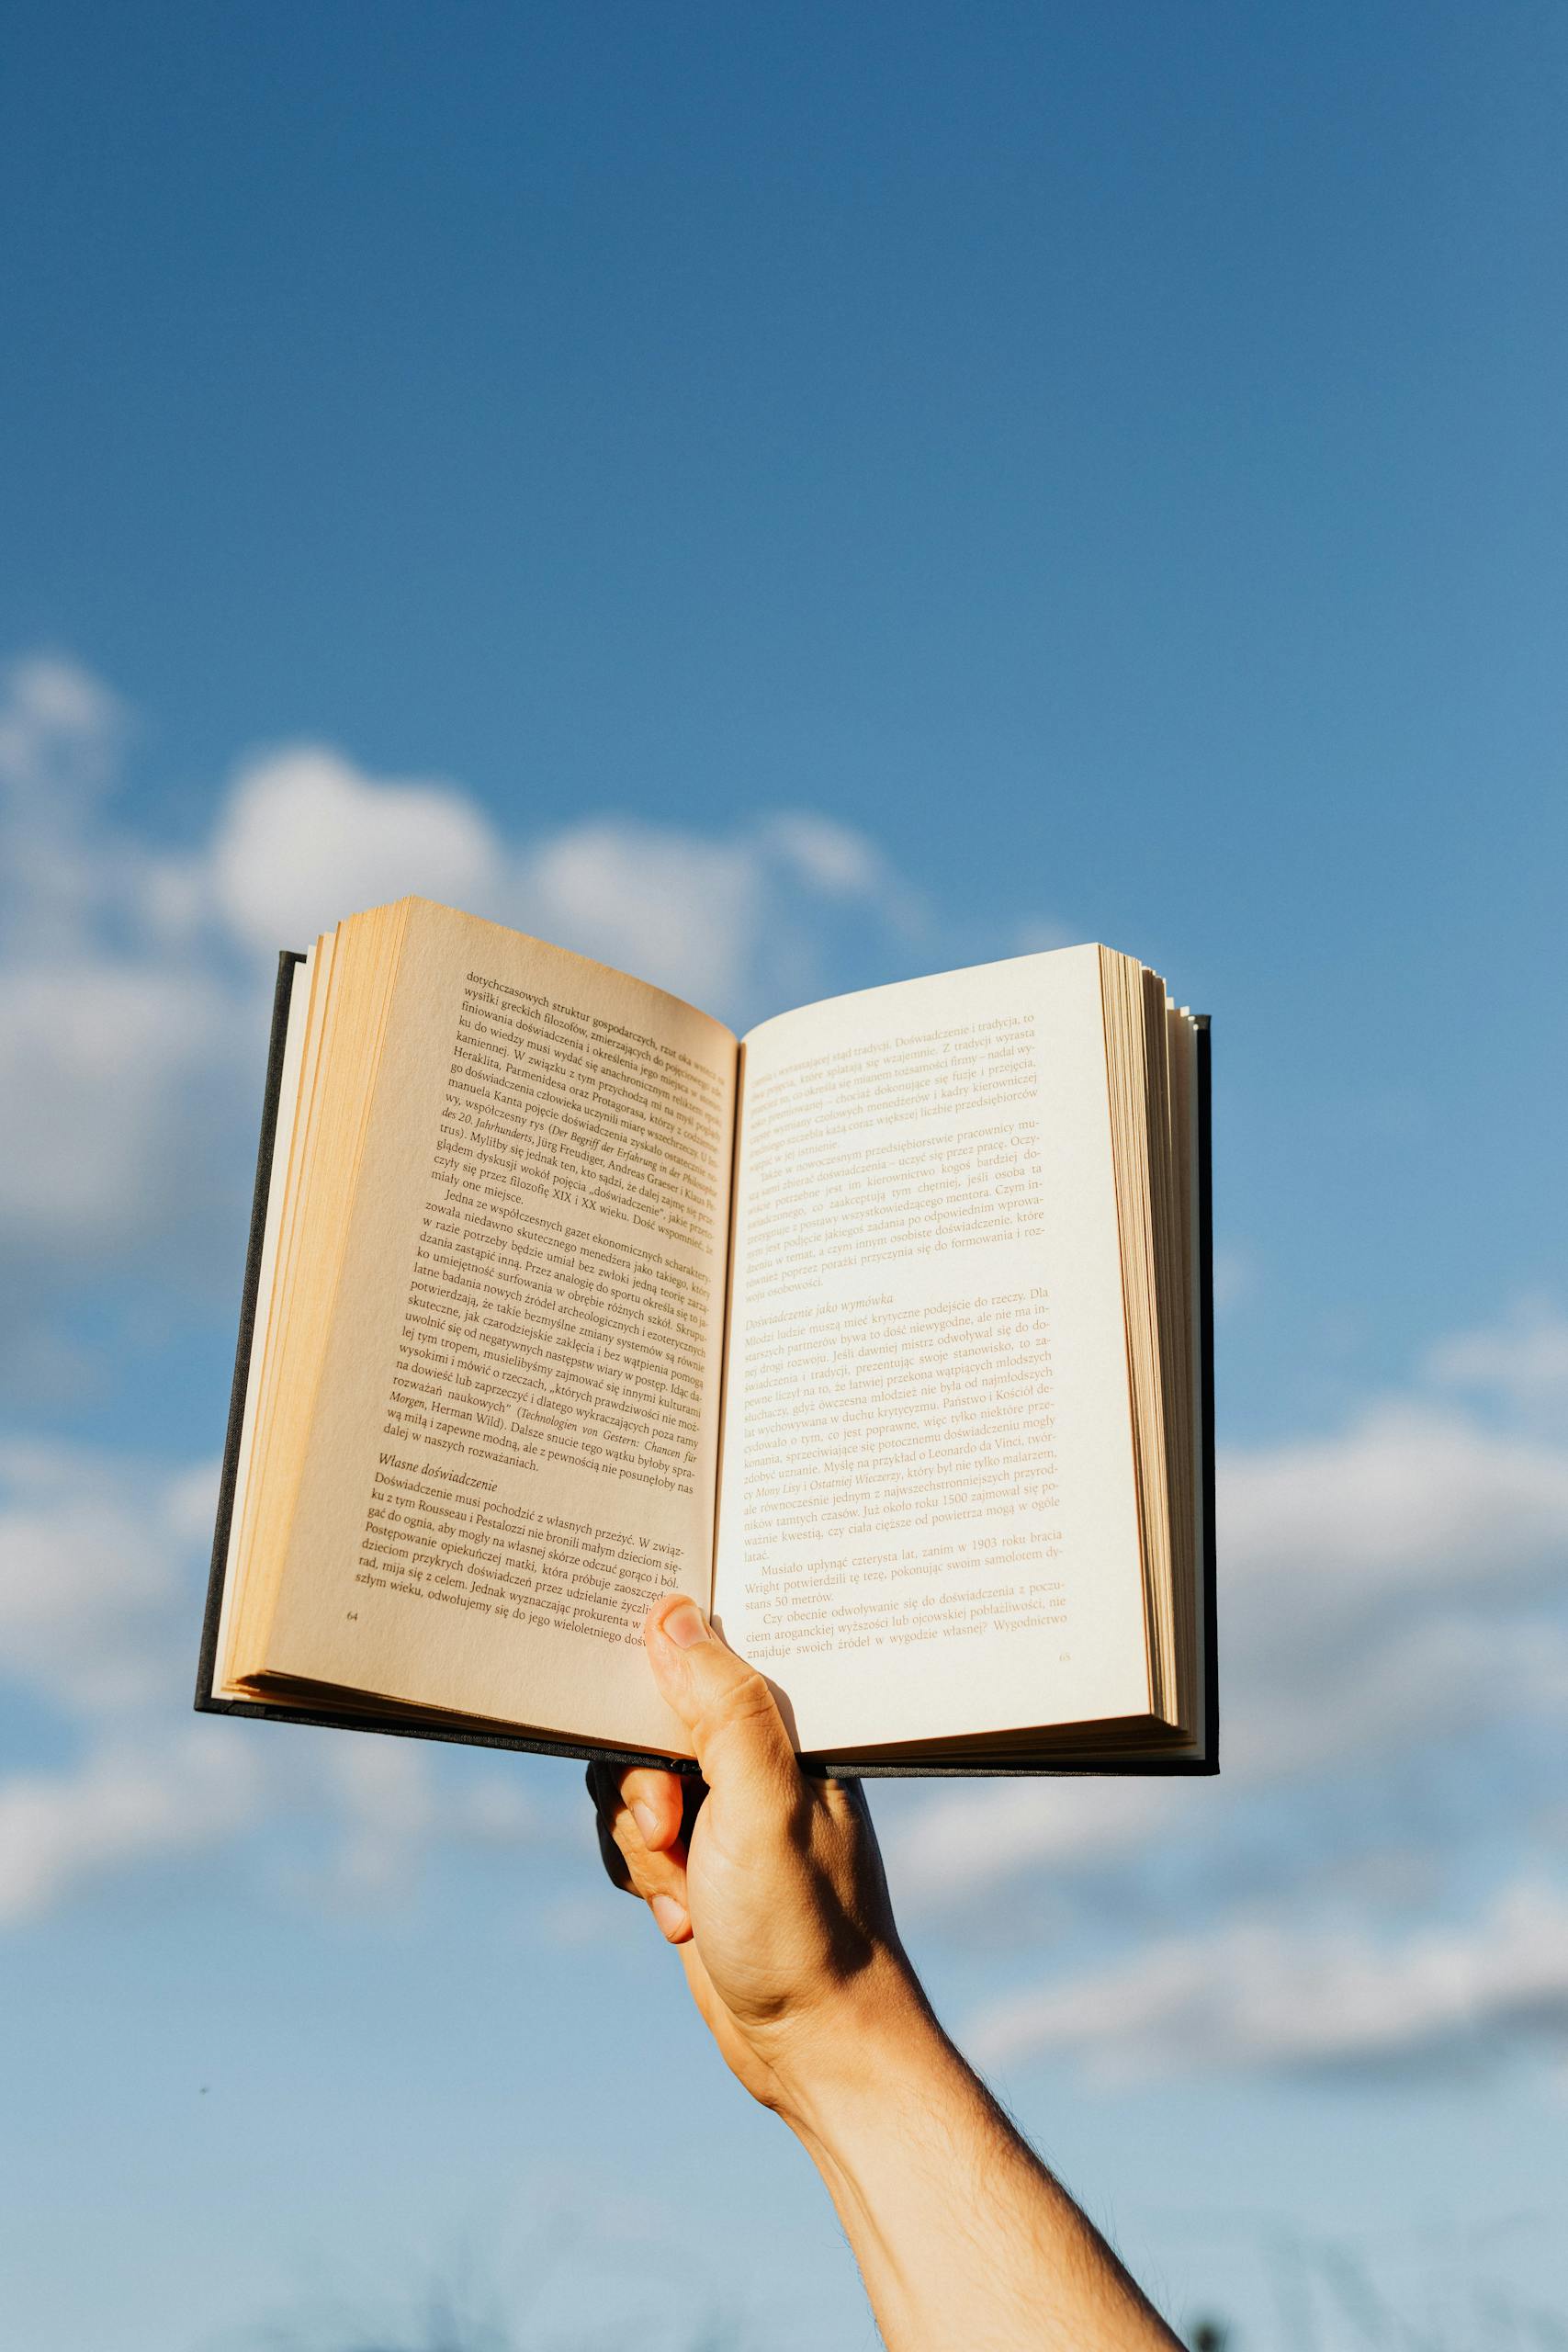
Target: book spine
(282, 996)
(1206, 1395)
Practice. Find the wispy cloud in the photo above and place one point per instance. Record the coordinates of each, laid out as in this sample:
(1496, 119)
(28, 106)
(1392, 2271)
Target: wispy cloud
(1390, 1588)
(112, 1075)
(687, 912)
(102, 1561)
(393, 1804)
(1394, 1660)
(133, 975)
(1523, 1361)
(97, 1561)
(61, 731)
(1398, 1581)
(1388, 1580)
(134, 979)
(1267, 1994)
(136, 1797)
(303, 838)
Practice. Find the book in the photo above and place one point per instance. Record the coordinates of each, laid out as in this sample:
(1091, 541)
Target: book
(883, 1332)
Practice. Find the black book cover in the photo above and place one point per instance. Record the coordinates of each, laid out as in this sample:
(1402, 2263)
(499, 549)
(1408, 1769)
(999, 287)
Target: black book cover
(476, 1735)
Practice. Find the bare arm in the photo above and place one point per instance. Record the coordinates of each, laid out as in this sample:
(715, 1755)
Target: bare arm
(773, 1891)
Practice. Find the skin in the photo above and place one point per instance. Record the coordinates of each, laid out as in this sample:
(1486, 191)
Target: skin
(768, 1884)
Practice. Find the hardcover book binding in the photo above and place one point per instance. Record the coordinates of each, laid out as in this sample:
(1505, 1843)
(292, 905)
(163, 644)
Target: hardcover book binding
(476, 1735)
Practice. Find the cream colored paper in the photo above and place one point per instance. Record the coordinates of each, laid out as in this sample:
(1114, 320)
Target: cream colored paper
(441, 1565)
(927, 1522)
(282, 1145)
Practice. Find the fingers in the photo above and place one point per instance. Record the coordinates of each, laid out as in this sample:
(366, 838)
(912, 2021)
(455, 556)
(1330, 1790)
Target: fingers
(656, 1872)
(657, 1800)
(726, 1705)
(654, 1799)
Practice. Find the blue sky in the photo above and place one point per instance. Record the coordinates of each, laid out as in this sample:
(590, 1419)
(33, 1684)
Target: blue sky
(782, 501)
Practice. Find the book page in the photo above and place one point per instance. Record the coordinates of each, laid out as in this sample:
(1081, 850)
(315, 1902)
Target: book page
(515, 1441)
(282, 1145)
(928, 1520)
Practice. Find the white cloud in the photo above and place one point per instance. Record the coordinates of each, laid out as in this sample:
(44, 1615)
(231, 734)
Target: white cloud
(111, 1054)
(1523, 1360)
(98, 1576)
(1411, 1495)
(61, 729)
(102, 1567)
(578, 1920)
(1039, 934)
(107, 1070)
(1267, 1994)
(1235, 1278)
(678, 909)
(388, 1811)
(1434, 1677)
(132, 1802)
(131, 1030)
(61, 732)
(305, 838)
(394, 1803)
(964, 1842)
(1393, 1590)
(1395, 1583)
(59, 726)
(835, 858)
(189, 1499)
(728, 922)
(1384, 1584)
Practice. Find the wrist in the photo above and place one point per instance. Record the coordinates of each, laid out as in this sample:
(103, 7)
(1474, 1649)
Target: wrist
(844, 2057)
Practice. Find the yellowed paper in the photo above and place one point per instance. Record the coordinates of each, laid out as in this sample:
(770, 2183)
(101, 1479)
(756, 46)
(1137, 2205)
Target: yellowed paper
(513, 1446)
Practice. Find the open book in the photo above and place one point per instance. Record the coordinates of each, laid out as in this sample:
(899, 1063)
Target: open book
(881, 1332)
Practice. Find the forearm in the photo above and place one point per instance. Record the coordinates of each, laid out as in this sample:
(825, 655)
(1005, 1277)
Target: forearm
(961, 2234)
(774, 1895)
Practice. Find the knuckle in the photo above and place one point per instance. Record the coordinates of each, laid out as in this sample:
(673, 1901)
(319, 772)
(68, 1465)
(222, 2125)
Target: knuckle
(638, 1785)
(747, 1700)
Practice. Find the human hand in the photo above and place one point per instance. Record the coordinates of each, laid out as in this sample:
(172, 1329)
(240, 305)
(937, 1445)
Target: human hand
(767, 1880)
(769, 1884)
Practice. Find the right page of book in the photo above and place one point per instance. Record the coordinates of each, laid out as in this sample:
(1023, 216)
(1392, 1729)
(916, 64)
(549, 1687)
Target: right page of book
(927, 1522)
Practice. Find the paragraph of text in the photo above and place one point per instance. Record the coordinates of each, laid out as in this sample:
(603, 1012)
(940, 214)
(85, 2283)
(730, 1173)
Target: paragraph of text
(447, 1538)
(545, 1100)
(876, 1417)
(895, 1599)
(524, 1342)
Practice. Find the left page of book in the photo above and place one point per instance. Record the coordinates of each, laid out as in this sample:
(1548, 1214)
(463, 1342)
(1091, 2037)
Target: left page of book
(513, 1445)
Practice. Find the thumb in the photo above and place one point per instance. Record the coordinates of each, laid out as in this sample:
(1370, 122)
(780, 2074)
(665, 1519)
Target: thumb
(726, 1704)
